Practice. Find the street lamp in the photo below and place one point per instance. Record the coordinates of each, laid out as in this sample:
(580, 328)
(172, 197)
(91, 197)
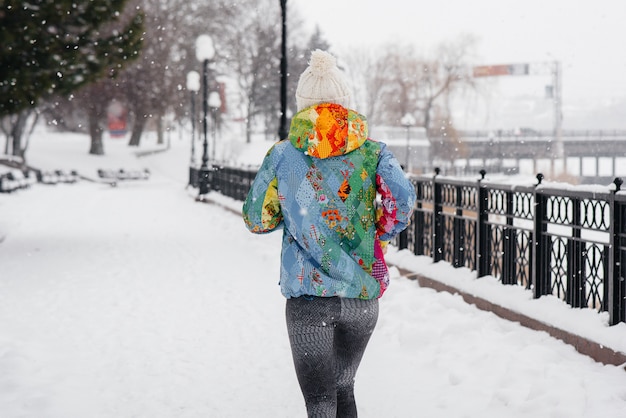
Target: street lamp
(215, 102)
(204, 53)
(193, 85)
(407, 121)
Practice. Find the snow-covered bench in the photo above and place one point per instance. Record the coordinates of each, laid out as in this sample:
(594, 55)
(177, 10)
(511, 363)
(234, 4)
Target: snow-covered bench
(15, 179)
(7, 183)
(122, 174)
(57, 176)
(67, 176)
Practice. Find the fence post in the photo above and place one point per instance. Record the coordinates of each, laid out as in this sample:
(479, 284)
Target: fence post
(403, 237)
(403, 240)
(482, 229)
(459, 231)
(418, 220)
(437, 220)
(615, 294)
(215, 179)
(575, 293)
(508, 244)
(540, 275)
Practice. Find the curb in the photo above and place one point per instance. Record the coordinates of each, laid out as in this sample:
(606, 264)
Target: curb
(140, 154)
(218, 204)
(596, 351)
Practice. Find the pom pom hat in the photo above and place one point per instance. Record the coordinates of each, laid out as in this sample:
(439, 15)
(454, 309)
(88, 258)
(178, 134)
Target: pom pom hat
(322, 82)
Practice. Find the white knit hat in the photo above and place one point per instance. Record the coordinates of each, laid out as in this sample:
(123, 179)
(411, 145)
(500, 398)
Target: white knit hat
(322, 82)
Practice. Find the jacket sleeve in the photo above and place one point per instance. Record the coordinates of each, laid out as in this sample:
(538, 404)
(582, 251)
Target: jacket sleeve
(261, 210)
(397, 196)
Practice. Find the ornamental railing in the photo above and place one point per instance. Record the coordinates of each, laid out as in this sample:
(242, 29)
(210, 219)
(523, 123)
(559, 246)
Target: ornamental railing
(567, 242)
(570, 243)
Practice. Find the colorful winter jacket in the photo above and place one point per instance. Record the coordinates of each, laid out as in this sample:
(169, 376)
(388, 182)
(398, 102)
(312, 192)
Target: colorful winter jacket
(320, 185)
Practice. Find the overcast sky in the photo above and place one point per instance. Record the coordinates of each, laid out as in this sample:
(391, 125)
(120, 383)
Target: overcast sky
(587, 37)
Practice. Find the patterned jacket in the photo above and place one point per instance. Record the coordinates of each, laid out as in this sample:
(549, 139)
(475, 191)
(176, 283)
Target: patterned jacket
(321, 185)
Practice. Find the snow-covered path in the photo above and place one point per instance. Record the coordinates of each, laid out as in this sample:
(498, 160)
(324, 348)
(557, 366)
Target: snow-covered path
(128, 303)
(137, 301)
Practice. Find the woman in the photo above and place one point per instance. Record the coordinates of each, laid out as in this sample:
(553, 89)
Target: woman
(320, 185)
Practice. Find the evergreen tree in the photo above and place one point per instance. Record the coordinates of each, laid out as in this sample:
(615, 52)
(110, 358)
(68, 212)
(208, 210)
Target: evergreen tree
(57, 46)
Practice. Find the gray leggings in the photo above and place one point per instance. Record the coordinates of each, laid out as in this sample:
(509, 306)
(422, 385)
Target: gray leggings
(328, 337)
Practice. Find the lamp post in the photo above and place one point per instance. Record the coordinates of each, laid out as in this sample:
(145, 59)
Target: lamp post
(193, 85)
(282, 129)
(407, 121)
(204, 53)
(214, 103)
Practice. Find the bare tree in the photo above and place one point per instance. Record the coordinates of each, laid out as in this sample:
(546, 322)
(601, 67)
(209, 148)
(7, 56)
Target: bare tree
(16, 129)
(445, 75)
(255, 60)
(250, 52)
(449, 75)
(152, 86)
(387, 81)
(394, 80)
(95, 99)
(368, 74)
(445, 142)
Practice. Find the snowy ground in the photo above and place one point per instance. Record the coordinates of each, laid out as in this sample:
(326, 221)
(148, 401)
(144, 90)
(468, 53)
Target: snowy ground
(137, 301)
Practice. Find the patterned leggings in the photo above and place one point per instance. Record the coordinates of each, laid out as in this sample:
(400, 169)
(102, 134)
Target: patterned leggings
(328, 337)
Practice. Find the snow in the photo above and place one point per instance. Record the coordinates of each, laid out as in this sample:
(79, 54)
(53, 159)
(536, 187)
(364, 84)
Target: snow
(547, 309)
(137, 301)
(204, 48)
(193, 81)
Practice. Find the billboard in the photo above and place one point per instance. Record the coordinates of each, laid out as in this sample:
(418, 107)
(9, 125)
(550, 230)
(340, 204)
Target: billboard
(496, 70)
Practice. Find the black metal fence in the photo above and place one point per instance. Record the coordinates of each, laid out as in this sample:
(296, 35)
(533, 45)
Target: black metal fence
(230, 181)
(233, 182)
(568, 242)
